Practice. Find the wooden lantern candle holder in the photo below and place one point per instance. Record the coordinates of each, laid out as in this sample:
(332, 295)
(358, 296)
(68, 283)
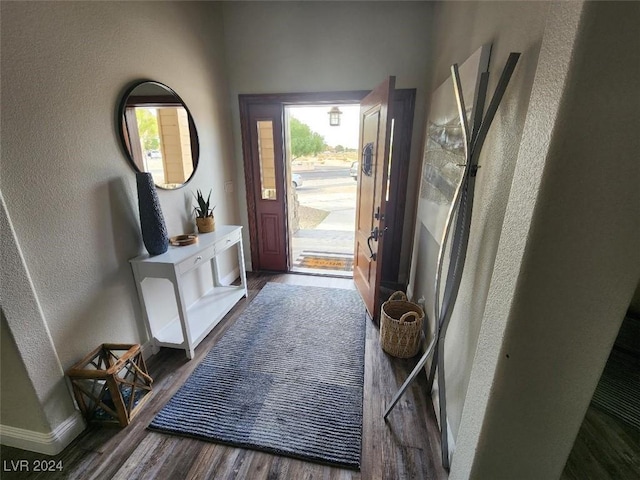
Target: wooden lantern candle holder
(111, 383)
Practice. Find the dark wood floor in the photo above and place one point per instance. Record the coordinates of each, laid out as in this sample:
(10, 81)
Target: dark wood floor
(606, 448)
(405, 447)
(608, 444)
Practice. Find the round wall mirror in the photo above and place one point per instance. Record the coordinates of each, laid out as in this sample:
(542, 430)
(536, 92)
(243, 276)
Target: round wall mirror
(158, 134)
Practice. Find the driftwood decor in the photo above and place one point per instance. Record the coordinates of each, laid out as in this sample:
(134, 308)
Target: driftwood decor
(111, 383)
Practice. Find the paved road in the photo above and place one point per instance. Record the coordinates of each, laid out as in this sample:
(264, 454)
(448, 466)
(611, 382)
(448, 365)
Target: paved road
(325, 181)
(322, 173)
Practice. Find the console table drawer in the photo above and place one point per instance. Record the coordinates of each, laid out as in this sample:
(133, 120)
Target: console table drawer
(227, 241)
(196, 260)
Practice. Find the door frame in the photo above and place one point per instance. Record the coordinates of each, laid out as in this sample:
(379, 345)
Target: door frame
(404, 105)
(404, 102)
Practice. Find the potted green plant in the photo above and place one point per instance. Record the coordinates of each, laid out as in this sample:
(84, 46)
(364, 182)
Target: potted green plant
(204, 213)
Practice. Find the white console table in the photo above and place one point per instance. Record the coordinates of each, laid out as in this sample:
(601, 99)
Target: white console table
(194, 322)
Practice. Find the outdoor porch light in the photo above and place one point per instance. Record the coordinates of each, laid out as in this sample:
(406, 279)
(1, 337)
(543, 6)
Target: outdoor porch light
(334, 116)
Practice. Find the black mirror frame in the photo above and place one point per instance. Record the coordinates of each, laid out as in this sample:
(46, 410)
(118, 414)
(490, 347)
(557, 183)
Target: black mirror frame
(121, 128)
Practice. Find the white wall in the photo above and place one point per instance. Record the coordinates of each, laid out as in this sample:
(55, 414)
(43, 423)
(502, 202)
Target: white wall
(281, 47)
(462, 28)
(568, 260)
(70, 193)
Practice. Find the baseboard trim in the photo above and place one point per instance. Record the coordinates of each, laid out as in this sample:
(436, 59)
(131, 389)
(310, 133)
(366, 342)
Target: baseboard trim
(46, 443)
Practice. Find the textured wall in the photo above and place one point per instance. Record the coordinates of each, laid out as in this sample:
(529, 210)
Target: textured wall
(568, 260)
(18, 401)
(35, 353)
(69, 191)
(463, 28)
(279, 47)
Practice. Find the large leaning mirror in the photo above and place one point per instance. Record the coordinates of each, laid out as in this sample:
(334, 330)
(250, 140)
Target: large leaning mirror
(158, 133)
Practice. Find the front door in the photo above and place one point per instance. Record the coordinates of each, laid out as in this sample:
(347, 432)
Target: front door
(375, 146)
(267, 187)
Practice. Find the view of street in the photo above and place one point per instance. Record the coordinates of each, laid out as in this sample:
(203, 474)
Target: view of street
(327, 201)
(323, 145)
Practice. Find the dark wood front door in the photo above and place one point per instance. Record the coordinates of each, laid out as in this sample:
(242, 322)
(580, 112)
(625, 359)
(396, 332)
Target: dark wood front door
(375, 145)
(266, 186)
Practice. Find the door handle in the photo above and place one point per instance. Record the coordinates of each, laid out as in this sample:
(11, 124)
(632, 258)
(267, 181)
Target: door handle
(374, 237)
(376, 233)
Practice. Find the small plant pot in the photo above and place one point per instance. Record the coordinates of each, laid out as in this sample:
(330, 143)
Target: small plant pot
(205, 225)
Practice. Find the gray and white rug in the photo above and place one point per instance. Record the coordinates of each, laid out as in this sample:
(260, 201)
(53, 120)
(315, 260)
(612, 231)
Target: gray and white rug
(286, 378)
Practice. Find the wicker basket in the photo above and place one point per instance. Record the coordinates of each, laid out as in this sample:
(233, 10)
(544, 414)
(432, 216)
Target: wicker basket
(400, 326)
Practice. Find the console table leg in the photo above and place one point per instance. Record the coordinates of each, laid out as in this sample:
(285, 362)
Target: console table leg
(182, 314)
(243, 272)
(215, 273)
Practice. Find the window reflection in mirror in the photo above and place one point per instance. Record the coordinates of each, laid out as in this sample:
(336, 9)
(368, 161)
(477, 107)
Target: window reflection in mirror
(159, 134)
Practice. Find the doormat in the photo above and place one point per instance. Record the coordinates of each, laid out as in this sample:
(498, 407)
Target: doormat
(286, 378)
(325, 261)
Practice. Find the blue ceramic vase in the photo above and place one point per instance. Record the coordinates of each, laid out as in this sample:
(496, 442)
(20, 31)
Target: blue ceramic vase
(154, 230)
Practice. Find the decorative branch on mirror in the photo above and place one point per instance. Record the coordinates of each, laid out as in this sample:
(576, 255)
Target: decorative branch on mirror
(158, 133)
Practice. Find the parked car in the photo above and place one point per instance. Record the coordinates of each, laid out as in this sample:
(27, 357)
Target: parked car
(354, 170)
(296, 180)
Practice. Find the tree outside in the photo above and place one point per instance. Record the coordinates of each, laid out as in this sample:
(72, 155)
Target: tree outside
(148, 128)
(304, 141)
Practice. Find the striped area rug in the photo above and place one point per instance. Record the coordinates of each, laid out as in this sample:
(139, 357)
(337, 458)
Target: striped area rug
(286, 378)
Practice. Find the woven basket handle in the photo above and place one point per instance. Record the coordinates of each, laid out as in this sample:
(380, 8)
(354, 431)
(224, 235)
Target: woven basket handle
(400, 294)
(405, 318)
